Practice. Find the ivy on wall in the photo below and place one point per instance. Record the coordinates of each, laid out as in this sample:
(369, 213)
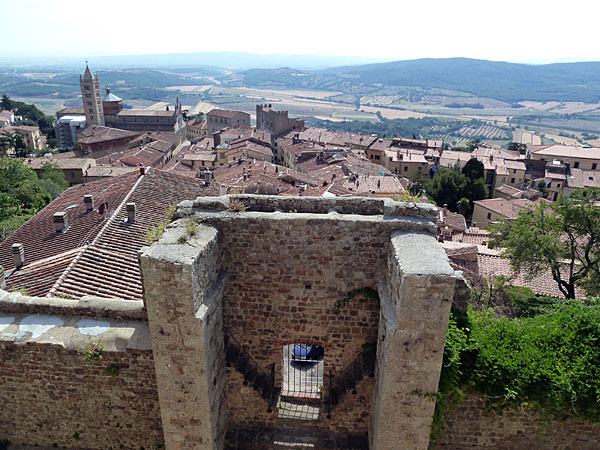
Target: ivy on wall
(550, 360)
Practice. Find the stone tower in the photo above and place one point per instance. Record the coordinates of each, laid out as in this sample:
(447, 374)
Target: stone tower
(92, 101)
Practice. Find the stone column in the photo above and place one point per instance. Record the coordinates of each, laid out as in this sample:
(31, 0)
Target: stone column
(415, 306)
(183, 290)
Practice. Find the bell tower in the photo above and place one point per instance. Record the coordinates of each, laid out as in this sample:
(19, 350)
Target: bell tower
(92, 101)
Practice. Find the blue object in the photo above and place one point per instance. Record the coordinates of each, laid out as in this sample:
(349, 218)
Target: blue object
(306, 352)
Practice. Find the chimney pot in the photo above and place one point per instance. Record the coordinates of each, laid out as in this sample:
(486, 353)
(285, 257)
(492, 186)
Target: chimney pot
(88, 201)
(2, 280)
(142, 170)
(61, 221)
(18, 255)
(130, 212)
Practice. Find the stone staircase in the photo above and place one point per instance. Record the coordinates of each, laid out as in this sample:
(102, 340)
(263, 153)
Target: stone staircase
(345, 382)
(262, 382)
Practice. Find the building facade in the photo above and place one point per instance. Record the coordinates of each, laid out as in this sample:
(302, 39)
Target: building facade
(90, 95)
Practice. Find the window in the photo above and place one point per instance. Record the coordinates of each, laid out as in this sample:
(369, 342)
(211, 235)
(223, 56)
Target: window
(594, 166)
(576, 165)
(558, 185)
(489, 216)
(514, 170)
(503, 179)
(377, 157)
(89, 103)
(512, 180)
(72, 174)
(406, 168)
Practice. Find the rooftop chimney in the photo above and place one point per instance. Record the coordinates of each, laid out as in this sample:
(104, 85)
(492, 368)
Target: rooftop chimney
(88, 201)
(61, 221)
(130, 212)
(18, 255)
(142, 170)
(2, 280)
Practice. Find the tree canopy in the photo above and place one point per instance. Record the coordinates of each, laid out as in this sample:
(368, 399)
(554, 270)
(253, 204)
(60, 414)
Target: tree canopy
(450, 186)
(562, 237)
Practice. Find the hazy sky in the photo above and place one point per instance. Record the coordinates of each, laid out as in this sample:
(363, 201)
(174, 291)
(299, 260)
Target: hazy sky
(509, 30)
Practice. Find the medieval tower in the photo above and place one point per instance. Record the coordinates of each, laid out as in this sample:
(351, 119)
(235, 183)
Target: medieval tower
(90, 94)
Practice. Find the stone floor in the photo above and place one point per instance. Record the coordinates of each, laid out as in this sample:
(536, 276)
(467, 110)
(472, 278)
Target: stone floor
(300, 410)
(285, 439)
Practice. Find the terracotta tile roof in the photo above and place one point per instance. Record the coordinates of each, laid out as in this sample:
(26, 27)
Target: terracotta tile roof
(38, 235)
(568, 151)
(70, 163)
(108, 265)
(39, 277)
(507, 207)
(225, 113)
(489, 266)
(472, 235)
(374, 184)
(453, 220)
(96, 133)
(580, 179)
(146, 113)
(381, 144)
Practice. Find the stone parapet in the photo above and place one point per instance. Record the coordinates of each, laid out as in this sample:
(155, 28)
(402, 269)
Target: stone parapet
(364, 206)
(415, 309)
(87, 306)
(183, 289)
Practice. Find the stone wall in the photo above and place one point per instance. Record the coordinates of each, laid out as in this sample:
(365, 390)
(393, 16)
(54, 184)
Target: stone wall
(183, 290)
(470, 425)
(51, 395)
(415, 309)
(291, 265)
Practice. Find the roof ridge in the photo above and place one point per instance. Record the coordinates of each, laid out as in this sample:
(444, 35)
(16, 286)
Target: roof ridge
(63, 275)
(117, 209)
(68, 270)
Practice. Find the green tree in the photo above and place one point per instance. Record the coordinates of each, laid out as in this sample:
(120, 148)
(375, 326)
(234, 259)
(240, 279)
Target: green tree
(447, 187)
(6, 103)
(562, 237)
(473, 169)
(463, 205)
(20, 194)
(54, 173)
(517, 147)
(473, 144)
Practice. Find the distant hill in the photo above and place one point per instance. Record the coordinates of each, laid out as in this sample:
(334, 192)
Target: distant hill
(204, 60)
(504, 81)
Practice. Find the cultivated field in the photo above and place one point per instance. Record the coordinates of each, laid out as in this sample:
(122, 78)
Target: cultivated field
(190, 89)
(526, 137)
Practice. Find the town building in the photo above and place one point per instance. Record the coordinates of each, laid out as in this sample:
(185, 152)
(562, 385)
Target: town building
(196, 128)
(74, 169)
(580, 157)
(99, 140)
(224, 118)
(67, 128)
(90, 95)
(31, 134)
(109, 110)
(488, 211)
(276, 122)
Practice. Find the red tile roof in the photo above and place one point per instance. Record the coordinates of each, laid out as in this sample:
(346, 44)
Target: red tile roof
(108, 265)
(38, 235)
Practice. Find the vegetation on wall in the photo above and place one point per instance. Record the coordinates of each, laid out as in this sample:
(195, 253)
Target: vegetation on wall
(549, 360)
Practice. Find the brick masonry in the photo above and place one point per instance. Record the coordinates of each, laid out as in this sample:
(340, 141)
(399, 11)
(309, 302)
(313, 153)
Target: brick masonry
(51, 395)
(470, 425)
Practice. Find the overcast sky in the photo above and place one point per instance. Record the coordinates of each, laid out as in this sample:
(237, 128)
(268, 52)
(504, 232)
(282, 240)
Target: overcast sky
(510, 30)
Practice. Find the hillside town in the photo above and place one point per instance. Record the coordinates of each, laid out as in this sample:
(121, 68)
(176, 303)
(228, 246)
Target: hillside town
(224, 154)
(203, 219)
